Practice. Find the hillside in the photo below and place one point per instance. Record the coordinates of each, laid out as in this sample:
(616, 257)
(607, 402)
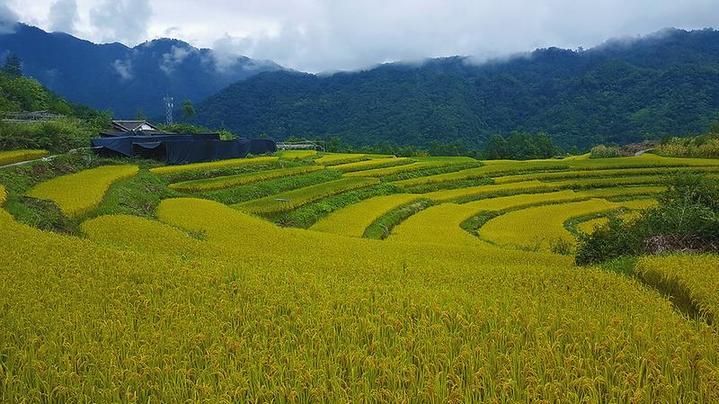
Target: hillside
(667, 83)
(413, 280)
(121, 79)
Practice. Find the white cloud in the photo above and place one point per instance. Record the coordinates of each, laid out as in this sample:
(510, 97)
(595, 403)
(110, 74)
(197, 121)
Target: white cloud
(121, 20)
(8, 19)
(123, 68)
(172, 59)
(63, 16)
(319, 35)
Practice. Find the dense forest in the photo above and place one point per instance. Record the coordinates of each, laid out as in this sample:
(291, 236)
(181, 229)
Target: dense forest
(619, 92)
(73, 127)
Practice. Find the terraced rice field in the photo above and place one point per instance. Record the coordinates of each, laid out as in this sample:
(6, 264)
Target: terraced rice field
(17, 156)
(354, 220)
(289, 200)
(78, 193)
(208, 302)
(213, 165)
(228, 181)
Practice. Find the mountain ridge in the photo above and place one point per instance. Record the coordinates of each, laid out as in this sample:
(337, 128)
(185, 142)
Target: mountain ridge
(621, 91)
(125, 80)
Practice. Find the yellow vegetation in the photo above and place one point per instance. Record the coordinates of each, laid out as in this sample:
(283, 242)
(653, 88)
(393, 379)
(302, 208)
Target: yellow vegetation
(78, 193)
(16, 156)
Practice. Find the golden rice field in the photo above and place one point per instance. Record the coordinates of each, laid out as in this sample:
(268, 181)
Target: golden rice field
(217, 303)
(17, 156)
(78, 193)
(214, 165)
(227, 181)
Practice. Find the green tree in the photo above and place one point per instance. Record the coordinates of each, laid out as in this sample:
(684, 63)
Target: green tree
(13, 65)
(188, 110)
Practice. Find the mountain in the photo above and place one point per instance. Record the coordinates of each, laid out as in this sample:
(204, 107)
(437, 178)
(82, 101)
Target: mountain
(621, 91)
(121, 79)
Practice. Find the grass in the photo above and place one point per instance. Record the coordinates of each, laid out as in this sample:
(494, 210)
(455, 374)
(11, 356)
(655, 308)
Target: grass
(76, 194)
(17, 156)
(290, 200)
(228, 181)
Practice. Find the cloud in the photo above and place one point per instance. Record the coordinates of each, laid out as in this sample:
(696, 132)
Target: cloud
(123, 68)
(175, 57)
(63, 16)
(8, 20)
(124, 21)
(328, 35)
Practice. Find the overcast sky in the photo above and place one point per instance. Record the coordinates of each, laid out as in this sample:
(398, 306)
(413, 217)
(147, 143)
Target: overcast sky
(326, 35)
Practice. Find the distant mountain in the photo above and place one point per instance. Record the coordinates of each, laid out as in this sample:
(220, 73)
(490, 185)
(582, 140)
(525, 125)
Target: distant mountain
(621, 91)
(122, 79)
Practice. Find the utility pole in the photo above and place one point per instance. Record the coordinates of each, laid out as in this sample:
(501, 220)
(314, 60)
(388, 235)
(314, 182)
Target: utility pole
(169, 106)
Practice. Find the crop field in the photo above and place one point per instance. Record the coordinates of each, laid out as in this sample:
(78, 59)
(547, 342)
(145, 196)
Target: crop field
(77, 193)
(17, 156)
(473, 295)
(543, 226)
(227, 181)
(372, 164)
(332, 159)
(354, 219)
(289, 200)
(297, 154)
(214, 165)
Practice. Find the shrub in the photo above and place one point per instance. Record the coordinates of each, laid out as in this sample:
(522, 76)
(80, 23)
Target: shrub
(687, 219)
(602, 151)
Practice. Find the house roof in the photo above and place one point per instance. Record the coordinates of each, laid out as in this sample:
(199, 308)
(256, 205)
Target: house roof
(133, 125)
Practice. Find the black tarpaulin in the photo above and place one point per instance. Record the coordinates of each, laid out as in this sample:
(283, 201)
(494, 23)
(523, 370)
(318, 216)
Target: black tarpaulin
(183, 149)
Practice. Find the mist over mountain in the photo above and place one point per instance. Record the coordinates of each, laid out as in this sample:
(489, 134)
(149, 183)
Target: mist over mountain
(622, 91)
(127, 81)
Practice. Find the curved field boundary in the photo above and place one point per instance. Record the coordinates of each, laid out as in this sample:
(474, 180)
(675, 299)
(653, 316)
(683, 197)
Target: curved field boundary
(371, 164)
(290, 200)
(340, 158)
(75, 194)
(690, 280)
(18, 156)
(353, 220)
(498, 168)
(480, 191)
(213, 165)
(215, 183)
(580, 174)
(444, 223)
(459, 163)
(543, 227)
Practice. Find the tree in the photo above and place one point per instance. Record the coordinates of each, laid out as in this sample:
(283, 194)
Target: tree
(188, 110)
(496, 148)
(13, 65)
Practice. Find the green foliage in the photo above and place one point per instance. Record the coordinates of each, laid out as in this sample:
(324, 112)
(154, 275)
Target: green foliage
(57, 136)
(188, 110)
(382, 227)
(520, 146)
(13, 65)
(703, 146)
(687, 219)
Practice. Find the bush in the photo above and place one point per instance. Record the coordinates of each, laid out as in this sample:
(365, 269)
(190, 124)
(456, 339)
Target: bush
(55, 136)
(687, 219)
(602, 151)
